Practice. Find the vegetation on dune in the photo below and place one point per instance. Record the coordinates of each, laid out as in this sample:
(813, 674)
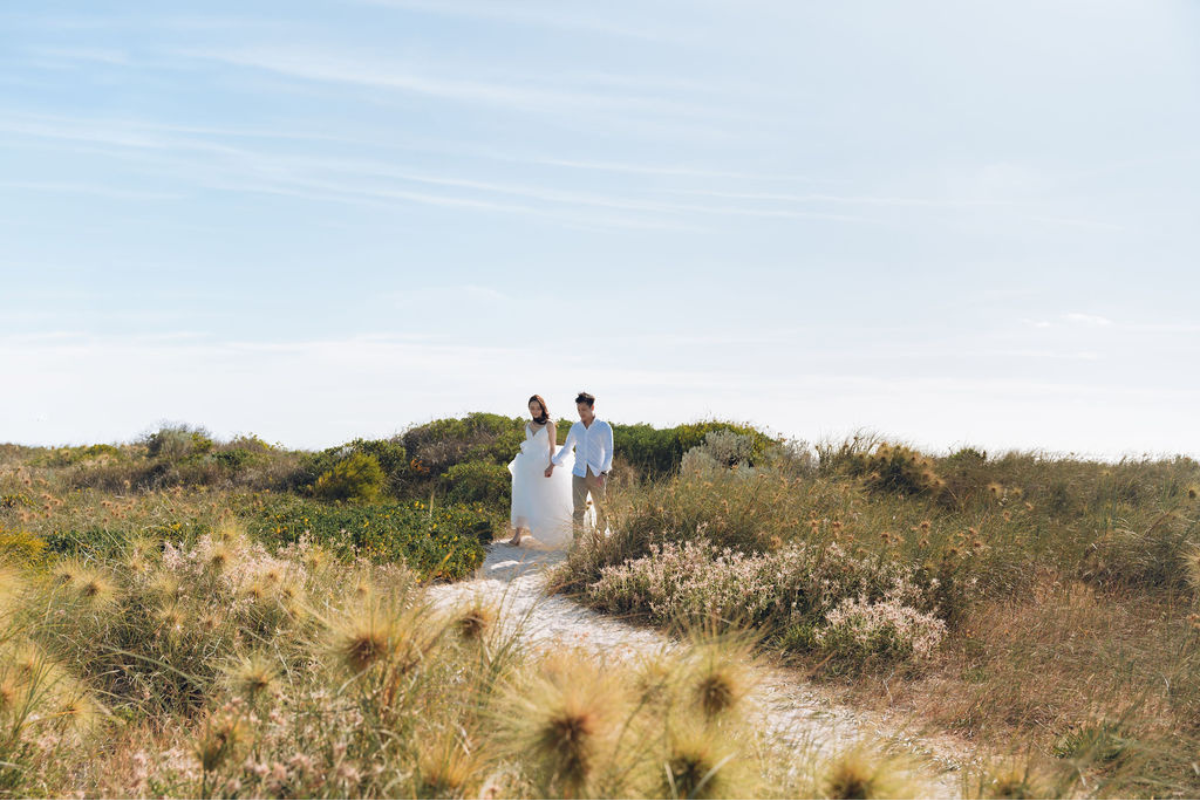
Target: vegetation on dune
(1015, 599)
(235, 618)
(221, 668)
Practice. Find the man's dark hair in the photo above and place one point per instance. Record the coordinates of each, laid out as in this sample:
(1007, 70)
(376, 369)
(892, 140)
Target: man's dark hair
(584, 397)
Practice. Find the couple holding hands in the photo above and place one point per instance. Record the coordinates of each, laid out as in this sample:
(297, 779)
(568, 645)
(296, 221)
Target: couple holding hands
(545, 505)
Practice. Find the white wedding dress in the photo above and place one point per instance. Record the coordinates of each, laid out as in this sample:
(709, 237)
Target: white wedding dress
(541, 505)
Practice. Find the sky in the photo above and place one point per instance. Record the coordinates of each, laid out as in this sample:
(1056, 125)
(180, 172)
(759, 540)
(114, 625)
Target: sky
(949, 223)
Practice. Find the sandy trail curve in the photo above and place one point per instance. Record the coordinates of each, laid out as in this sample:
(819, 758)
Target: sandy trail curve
(796, 712)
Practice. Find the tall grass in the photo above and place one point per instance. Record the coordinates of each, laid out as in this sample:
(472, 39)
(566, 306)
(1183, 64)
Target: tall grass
(217, 668)
(1065, 591)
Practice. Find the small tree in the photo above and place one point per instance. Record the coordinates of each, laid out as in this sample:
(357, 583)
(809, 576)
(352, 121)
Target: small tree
(357, 477)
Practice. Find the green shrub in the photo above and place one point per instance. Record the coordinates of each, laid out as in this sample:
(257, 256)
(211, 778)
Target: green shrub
(443, 543)
(252, 443)
(176, 442)
(236, 459)
(358, 477)
(21, 548)
(437, 446)
(656, 452)
(478, 482)
(98, 450)
(389, 453)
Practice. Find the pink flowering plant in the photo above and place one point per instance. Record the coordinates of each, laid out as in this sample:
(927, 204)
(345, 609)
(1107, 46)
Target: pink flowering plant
(852, 605)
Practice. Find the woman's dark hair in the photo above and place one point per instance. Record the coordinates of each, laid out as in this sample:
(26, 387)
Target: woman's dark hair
(545, 415)
(584, 397)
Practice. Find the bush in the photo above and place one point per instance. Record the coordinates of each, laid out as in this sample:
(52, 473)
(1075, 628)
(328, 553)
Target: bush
(357, 478)
(798, 584)
(21, 548)
(236, 459)
(858, 630)
(389, 453)
(176, 442)
(721, 450)
(439, 445)
(479, 482)
(898, 469)
(657, 452)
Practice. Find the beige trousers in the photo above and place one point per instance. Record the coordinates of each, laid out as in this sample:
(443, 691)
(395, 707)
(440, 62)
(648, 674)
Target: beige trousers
(598, 488)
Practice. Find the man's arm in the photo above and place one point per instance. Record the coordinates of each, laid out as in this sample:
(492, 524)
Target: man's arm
(608, 449)
(556, 461)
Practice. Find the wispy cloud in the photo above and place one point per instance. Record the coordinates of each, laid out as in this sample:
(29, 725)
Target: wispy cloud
(243, 167)
(113, 192)
(361, 69)
(90, 55)
(1087, 319)
(544, 15)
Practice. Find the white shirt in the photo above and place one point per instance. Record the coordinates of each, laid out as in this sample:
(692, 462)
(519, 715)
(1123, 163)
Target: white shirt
(593, 448)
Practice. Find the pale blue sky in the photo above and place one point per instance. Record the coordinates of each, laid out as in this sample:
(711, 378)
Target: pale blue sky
(948, 222)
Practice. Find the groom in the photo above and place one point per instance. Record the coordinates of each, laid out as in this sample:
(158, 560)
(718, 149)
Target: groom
(593, 442)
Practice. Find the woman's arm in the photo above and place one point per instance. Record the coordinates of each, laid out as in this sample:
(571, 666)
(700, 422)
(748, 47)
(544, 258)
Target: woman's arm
(556, 459)
(552, 435)
(566, 448)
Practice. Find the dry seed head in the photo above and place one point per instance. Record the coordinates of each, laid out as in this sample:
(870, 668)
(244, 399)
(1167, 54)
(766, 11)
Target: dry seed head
(9, 690)
(926, 525)
(861, 773)
(253, 676)
(720, 678)
(219, 558)
(1193, 492)
(444, 766)
(291, 596)
(170, 617)
(1013, 780)
(27, 662)
(995, 490)
(166, 586)
(701, 763)
(1191, 567)
(218, 740)
(80, 711)
(565, 717)
(230, 531)
(475, 621)
(68, 571)
(96, 588)
(316, 559)
(365, 637)
(655, 677)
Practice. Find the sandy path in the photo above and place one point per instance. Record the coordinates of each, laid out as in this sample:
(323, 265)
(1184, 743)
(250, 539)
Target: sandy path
(798, 713)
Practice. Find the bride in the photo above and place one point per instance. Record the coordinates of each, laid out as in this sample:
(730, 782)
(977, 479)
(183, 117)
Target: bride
(541, 506)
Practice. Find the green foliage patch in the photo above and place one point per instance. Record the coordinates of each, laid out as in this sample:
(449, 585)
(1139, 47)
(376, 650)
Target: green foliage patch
(356, 478)
(444, 543)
